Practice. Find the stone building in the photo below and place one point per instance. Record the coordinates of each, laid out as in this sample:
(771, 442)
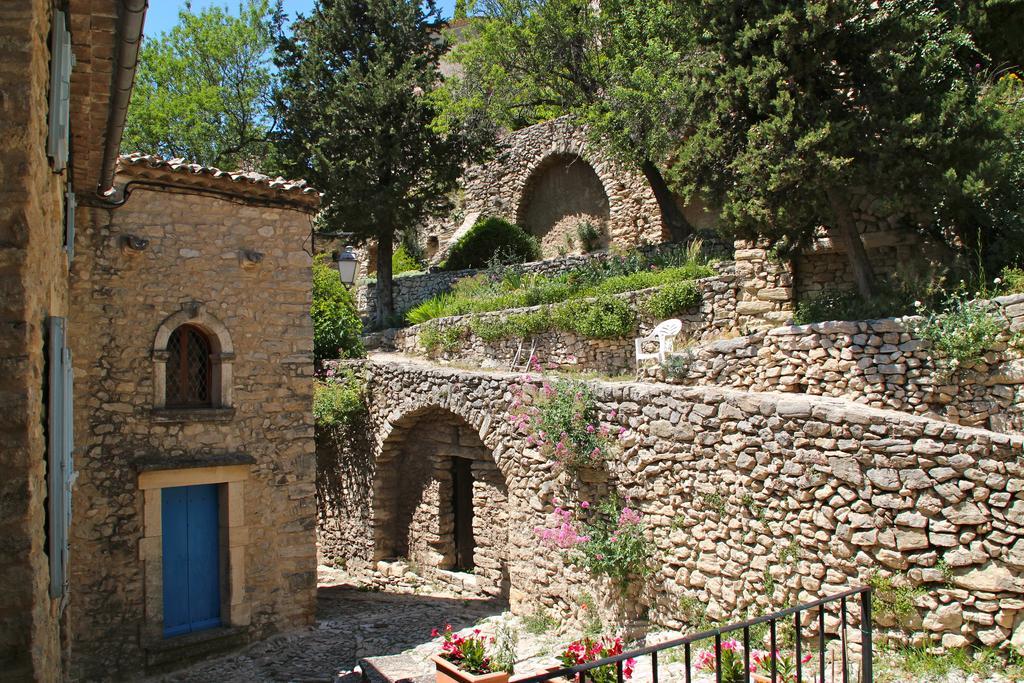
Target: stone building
(167, 347)
(195, 379)
(60, 129)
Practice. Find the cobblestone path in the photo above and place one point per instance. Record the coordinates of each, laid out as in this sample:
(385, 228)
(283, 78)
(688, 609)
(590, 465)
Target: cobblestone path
(350, 624)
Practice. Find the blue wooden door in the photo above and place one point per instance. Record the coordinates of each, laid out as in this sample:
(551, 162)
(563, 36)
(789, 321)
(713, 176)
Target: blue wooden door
(191, 556)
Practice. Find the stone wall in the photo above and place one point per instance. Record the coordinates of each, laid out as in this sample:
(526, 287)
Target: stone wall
(407, 292)
(754, 501)
(893, 249)
(413, 290)
(879, 363)
(566, 350)
(503, 187)
(33, 286)
(241, 272)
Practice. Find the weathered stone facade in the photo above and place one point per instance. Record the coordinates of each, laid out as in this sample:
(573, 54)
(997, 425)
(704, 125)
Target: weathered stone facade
(751, 499)
(33, 286)
(878, 362)
(178, 252)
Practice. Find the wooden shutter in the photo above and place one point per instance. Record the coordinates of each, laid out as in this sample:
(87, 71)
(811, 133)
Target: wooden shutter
(62, 59)
(60, 475)
(70, 204)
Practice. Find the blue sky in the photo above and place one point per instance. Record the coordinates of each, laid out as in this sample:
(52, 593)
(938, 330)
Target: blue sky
(163, 14)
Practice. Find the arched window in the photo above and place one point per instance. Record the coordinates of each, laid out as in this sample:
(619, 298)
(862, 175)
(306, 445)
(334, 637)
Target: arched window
(189, 370)
(192, 366)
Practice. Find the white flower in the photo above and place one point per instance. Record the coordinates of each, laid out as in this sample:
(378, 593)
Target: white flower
(998, 281)
(917, 304)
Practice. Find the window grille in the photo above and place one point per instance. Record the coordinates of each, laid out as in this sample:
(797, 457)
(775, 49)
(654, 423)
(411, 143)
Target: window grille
(188, 369)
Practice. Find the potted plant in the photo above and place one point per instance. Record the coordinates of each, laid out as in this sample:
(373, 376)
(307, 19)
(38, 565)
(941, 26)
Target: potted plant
(588, 650)
(467, 659)
(760, 664)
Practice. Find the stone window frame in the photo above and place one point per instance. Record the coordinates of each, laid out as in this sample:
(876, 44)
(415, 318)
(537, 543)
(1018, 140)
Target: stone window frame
(222, 356)
(234, 540)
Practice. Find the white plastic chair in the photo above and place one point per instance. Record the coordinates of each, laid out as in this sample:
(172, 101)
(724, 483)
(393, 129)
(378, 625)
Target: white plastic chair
(665, 335)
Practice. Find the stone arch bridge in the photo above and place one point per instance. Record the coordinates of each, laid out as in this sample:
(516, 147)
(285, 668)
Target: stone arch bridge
(752, 501)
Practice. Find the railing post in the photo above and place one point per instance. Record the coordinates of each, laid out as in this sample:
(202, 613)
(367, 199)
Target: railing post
(867, 674)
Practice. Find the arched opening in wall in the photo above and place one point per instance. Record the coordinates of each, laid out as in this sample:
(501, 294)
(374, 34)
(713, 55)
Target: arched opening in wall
(565, 206)
(440, 502)
(705, 220)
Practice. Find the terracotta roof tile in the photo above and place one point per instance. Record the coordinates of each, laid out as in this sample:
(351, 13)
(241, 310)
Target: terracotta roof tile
(152, 167)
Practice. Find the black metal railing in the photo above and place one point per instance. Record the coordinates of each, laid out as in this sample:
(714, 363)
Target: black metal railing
(580, 672)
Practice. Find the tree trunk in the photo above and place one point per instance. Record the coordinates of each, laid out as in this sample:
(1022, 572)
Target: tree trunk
(679, 229)
(843, 233)
(385, 281)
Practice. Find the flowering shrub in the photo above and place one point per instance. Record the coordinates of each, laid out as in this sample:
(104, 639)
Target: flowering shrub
(588, 650)
(469, 653)
(607, 539)
(963, 329)
(560, 419)
(760, 662)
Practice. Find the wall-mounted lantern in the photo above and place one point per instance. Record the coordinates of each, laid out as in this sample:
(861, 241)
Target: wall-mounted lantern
(347, 266)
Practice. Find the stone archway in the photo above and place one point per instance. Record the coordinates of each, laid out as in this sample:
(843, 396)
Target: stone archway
(564, 204)
(440, 502)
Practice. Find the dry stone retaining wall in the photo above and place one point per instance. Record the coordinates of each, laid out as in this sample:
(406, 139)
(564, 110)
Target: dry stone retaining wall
(755, 500)
(714, 316)
(879, 363)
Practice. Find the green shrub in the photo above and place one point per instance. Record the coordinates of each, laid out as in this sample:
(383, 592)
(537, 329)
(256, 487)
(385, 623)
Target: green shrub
(438, 307)
(404, 262)
(490, 237)
(673, 299)
(339, 400)
(891, 601)
(516, 326)
(589, 236)
(843, 304)
(602, 318)
(962, 329)
(539, 623)
(337, 329)
(1012, 280)
(447, 339)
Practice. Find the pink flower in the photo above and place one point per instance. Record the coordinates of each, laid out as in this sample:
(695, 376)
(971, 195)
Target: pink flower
(585, 505)
(629, 516)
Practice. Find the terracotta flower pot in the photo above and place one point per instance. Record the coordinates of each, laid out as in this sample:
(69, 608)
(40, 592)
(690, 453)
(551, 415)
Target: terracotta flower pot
(758, 678)
(447, 672)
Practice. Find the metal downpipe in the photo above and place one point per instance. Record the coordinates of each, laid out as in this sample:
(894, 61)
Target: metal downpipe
(129, 41)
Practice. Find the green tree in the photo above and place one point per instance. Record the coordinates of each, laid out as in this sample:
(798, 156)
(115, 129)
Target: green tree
(463, 8)
(204, 89)
(527, 61)
(795, 106)
(357, 121)
(337, 329)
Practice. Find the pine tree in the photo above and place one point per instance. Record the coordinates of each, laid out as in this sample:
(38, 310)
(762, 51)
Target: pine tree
(358, 121)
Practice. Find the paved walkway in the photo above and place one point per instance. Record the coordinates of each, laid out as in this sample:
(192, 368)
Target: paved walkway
(351, 624)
